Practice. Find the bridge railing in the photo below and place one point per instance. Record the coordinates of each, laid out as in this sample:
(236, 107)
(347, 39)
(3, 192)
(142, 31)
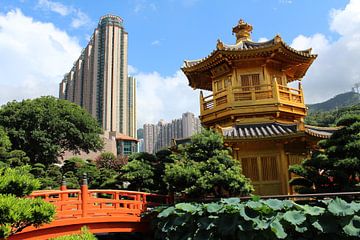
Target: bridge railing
(74, 203)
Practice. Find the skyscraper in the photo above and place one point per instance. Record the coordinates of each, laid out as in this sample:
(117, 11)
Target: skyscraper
(159, 136)
(99, 81)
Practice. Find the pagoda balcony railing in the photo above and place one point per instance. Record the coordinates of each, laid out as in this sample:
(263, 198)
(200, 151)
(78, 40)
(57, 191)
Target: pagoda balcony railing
(242, 96)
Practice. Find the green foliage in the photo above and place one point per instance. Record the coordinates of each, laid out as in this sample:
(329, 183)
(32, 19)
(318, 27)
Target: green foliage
(18, 213)
(17, 181)
(84, 235)
(139, 174)
(205, 168)
(145, 172)
(263, 219)
(110, 161)
(10, 157)
(336, 167)
(46, 127)
(329, 118)
(98, 178)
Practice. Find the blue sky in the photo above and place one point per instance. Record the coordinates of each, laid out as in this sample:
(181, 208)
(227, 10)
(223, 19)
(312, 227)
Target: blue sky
(164, 33)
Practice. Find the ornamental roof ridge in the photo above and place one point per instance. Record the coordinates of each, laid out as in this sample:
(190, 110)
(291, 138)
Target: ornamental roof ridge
(249, 45)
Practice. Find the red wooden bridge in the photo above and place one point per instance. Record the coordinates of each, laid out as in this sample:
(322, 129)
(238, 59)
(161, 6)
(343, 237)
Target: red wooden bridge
(103, 211)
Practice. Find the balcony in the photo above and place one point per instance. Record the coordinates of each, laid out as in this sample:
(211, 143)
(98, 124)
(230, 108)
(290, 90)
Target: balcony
(240, 100)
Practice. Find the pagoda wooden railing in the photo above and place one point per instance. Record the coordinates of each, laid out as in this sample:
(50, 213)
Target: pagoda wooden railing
(239, 96)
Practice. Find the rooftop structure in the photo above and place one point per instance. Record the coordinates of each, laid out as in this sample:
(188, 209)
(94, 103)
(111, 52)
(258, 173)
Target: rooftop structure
(251, 104)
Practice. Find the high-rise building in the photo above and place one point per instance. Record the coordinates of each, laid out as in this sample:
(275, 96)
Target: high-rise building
(159, 136)
(99, 81)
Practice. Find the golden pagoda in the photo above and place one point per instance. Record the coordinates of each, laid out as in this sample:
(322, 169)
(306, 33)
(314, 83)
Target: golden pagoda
(251, 104)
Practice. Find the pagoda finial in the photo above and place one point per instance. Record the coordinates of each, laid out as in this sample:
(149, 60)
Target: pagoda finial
(242, 31)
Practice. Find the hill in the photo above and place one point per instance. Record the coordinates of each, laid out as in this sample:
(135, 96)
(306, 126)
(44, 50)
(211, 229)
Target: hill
(342, 100)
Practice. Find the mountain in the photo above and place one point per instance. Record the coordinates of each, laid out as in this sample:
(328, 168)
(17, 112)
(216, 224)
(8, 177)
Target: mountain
(342, 100)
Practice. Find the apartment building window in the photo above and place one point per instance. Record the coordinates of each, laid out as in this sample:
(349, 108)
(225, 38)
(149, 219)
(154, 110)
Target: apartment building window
(249, 80)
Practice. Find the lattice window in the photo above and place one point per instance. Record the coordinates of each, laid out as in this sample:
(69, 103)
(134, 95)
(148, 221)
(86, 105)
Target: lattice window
(227, 82)
(250, 80)
(250, 168)
(269, 168)
(219, 85)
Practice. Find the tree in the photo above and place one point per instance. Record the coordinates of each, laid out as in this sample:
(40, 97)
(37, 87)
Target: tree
(110, 161)
(17, 213)
(336, 167)
(205, 168)
(145, 172)
(7, 157)
(46, 127)
(139, 174)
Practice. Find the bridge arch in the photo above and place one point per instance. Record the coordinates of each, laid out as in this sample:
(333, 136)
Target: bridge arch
(102, 211)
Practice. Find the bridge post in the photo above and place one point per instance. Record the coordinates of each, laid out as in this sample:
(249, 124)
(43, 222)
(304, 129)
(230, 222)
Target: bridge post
(144, 202)
(84, 195)
(64, 196)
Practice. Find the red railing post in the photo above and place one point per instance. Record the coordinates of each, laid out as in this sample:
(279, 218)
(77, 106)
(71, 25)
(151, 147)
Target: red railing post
(84, 195)
(64, 196)
(144, 202)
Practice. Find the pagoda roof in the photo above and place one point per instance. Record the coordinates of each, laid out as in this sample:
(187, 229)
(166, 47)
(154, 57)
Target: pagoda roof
(274, 130)
(321, 132)
(199, 74)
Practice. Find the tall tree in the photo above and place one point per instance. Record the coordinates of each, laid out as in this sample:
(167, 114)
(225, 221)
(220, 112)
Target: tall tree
(205, 168)
(336, 167)
(46, 127)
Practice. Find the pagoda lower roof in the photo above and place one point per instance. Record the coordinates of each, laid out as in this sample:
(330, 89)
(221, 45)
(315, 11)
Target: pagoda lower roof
(322, 132)
(273, 130)
(262, 130)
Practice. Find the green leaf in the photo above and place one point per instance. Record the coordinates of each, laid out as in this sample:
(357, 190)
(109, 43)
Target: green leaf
(339, 207)
(213, 207)
(278, 229)
(301, 229)
(186, 207)
(353, 228)
(230, 201)
(254, 205)
(318, 226)
(166, 212)
(274, 204)
(294, 217)
(313, 210)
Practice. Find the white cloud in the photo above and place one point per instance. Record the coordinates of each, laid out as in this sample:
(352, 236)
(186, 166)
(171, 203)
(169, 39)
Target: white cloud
(132, 70)
(164, 97)
(263, 39)
(143, 5)
(155, 43)
(79, 18)
(34, 57)
(55, 7)
(337, 67)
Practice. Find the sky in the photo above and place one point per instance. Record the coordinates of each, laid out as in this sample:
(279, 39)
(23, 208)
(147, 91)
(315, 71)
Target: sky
(41, 39)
